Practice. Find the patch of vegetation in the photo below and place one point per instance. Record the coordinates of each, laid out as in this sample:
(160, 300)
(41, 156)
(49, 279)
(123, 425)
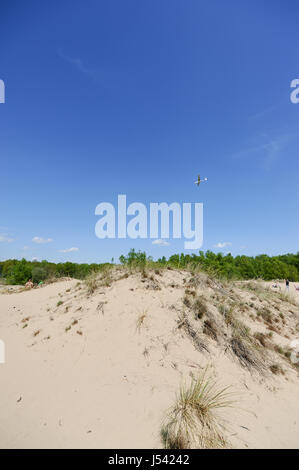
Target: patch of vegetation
(287, 298)
(210, 328)
(262, 339)
(192, 422)
(39, 274)
(200, 307)
(198, 343)
(217, 266)
(266, 315)
(92, 282)
(276, 369)
(245, 352)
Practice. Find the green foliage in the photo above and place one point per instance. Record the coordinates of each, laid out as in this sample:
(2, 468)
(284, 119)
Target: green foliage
(239, 267)
(225, 266)
(215, 264)
(19, 272)
(135, 259)
(38, 274)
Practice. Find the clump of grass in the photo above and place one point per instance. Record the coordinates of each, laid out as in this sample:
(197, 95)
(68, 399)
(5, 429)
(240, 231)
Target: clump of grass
(287, 298)
(193, 421)
(60, 302)
(183, 322)
(187, 301)
(244, 346)
(194, 281)
(265, 314)
(278, 349)
(262, 339)
(105, 278)
(67, 328)
(37, 332)
(287, 354)
(276, 369)
(273, 328)
(228, 313)
(210, 329)
(240, 329)
(190, 292)
(243, 307)
(91, 282)
(223, 309)
(200, 307)
(245, 353)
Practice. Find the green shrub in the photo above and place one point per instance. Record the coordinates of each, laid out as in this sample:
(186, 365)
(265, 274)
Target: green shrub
(38, 274)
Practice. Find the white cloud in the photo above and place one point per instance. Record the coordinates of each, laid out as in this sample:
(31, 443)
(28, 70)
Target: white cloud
(267, 148)
(68, 250)
(222, 244)
(160, 242)
(5, 238)
(41, 240)
(78, 63)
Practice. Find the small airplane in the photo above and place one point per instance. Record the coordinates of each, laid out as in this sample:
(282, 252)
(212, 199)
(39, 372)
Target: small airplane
(200, 180)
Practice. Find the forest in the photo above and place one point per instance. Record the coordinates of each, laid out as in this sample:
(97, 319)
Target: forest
(265, 267)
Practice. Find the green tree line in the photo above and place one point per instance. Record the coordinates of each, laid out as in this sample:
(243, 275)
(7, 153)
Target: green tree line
(227, 266)
(265, 267)
(14, 271)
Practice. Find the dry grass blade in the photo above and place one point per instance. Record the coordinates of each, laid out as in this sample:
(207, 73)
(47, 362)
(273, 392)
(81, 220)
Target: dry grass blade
(140, 320)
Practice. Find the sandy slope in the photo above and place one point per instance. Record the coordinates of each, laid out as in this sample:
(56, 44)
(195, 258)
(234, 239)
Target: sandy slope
(110, 386)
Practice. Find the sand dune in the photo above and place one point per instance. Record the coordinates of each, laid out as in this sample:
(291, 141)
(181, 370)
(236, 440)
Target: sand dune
(102, 369)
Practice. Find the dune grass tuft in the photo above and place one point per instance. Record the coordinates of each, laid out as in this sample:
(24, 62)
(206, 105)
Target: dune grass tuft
(193, 422)
(92, 282)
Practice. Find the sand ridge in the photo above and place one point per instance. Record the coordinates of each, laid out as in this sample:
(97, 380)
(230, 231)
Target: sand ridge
(102, 369)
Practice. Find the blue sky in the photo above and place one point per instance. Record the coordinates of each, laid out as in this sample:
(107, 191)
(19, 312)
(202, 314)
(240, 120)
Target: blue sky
(137, 97)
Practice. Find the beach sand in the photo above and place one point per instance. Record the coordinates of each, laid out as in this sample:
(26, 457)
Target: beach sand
(101, 370)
